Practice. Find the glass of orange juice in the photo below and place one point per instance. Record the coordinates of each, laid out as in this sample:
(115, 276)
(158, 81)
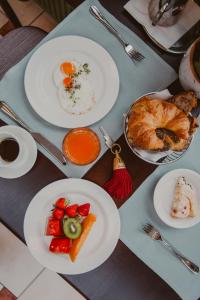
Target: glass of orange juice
(81, 146)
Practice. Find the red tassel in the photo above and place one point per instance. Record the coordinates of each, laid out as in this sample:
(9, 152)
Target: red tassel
(120, 186)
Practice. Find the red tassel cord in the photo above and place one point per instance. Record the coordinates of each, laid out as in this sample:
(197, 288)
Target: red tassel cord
(120, 186)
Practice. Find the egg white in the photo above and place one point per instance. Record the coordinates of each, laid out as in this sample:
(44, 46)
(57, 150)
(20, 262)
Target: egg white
(58, 77)
(83, 98)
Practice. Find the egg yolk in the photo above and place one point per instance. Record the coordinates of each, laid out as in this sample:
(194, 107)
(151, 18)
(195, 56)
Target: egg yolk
(68, 82)
(68, 68)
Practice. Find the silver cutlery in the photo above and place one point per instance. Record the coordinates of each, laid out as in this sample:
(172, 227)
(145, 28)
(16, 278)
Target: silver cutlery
(40, 139)
(165, 12)
(129, 49)
(151, 231)
(108, 140)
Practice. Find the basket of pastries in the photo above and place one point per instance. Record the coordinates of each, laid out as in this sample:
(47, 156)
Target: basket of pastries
(159, 127)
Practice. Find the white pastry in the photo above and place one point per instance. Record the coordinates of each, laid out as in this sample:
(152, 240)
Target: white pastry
(184, 203)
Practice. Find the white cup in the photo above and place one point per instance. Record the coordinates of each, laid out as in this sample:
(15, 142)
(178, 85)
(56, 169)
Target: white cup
(4, 163)
(187, 75)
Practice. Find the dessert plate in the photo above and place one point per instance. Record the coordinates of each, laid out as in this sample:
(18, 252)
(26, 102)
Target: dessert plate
(164, 193)
(43, 74)
(100, 242)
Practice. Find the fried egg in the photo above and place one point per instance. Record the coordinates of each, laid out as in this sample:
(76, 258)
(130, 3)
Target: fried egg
(76, 94)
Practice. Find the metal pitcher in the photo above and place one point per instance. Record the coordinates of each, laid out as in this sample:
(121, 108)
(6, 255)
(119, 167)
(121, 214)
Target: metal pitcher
(165, 12)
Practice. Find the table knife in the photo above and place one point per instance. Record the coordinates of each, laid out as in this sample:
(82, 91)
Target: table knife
(40, 139)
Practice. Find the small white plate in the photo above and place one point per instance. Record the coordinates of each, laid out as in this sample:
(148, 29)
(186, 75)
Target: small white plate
(164, 193)
(27, 155)
(101, 240)
(43, 94)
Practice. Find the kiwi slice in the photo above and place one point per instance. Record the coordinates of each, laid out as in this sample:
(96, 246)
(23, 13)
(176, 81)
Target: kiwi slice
(72, 228)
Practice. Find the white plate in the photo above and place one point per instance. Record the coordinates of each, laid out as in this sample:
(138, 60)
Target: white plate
(27, 156)
(43, 94)
(99, 244)
(164, 193)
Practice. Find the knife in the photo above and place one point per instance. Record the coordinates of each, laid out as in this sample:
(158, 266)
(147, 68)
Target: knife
(40, 139)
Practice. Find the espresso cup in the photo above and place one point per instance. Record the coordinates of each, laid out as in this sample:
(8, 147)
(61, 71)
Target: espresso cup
(9, 149)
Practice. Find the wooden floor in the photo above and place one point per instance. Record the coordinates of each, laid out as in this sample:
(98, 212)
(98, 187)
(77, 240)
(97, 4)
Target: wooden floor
(29, 13)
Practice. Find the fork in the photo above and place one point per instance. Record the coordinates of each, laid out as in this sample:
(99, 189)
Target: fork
(129, 49)
(156, 235)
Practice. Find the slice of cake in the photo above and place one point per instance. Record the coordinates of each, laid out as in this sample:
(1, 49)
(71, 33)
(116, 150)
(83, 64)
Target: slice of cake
(184, 203)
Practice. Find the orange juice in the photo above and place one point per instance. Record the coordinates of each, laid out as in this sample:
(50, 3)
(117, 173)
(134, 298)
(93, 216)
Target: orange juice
(81, 146)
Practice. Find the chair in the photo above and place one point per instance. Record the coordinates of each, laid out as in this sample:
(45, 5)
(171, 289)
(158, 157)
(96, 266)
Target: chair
(16, 44)
(10, 13)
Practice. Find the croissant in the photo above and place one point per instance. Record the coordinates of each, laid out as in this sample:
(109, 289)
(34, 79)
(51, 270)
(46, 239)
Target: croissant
(156, 124)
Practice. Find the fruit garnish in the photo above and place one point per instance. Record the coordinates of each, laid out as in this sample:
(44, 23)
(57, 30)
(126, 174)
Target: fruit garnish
(54, 227)
(84, 209)
(79, 218)
(60, 245)
(69, 226)
(78, 243)
(72, 228)
(61, 203)
(58, 213)
(71, 210)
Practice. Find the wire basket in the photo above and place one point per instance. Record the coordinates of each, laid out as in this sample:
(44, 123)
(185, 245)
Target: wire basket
(167, 157)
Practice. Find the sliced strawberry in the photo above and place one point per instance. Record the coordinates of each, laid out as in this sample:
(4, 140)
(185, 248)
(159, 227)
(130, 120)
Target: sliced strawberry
(61, 203)
(71, 210)
(58, 213)
(60, 245)
(54, 227)
(84, 209)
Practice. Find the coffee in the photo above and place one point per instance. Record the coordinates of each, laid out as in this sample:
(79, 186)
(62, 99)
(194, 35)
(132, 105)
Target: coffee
(9, 149)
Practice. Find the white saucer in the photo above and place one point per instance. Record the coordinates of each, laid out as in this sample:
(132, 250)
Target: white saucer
(164, 193)
(27, 155)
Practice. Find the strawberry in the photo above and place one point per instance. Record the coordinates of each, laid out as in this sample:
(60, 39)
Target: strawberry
(71, 210)
(61, 203)
(84, 209)
(58, 213)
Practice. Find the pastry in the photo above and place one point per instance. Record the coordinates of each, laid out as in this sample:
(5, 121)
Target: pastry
(185, 101)
(156, 124)
(184, 203)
